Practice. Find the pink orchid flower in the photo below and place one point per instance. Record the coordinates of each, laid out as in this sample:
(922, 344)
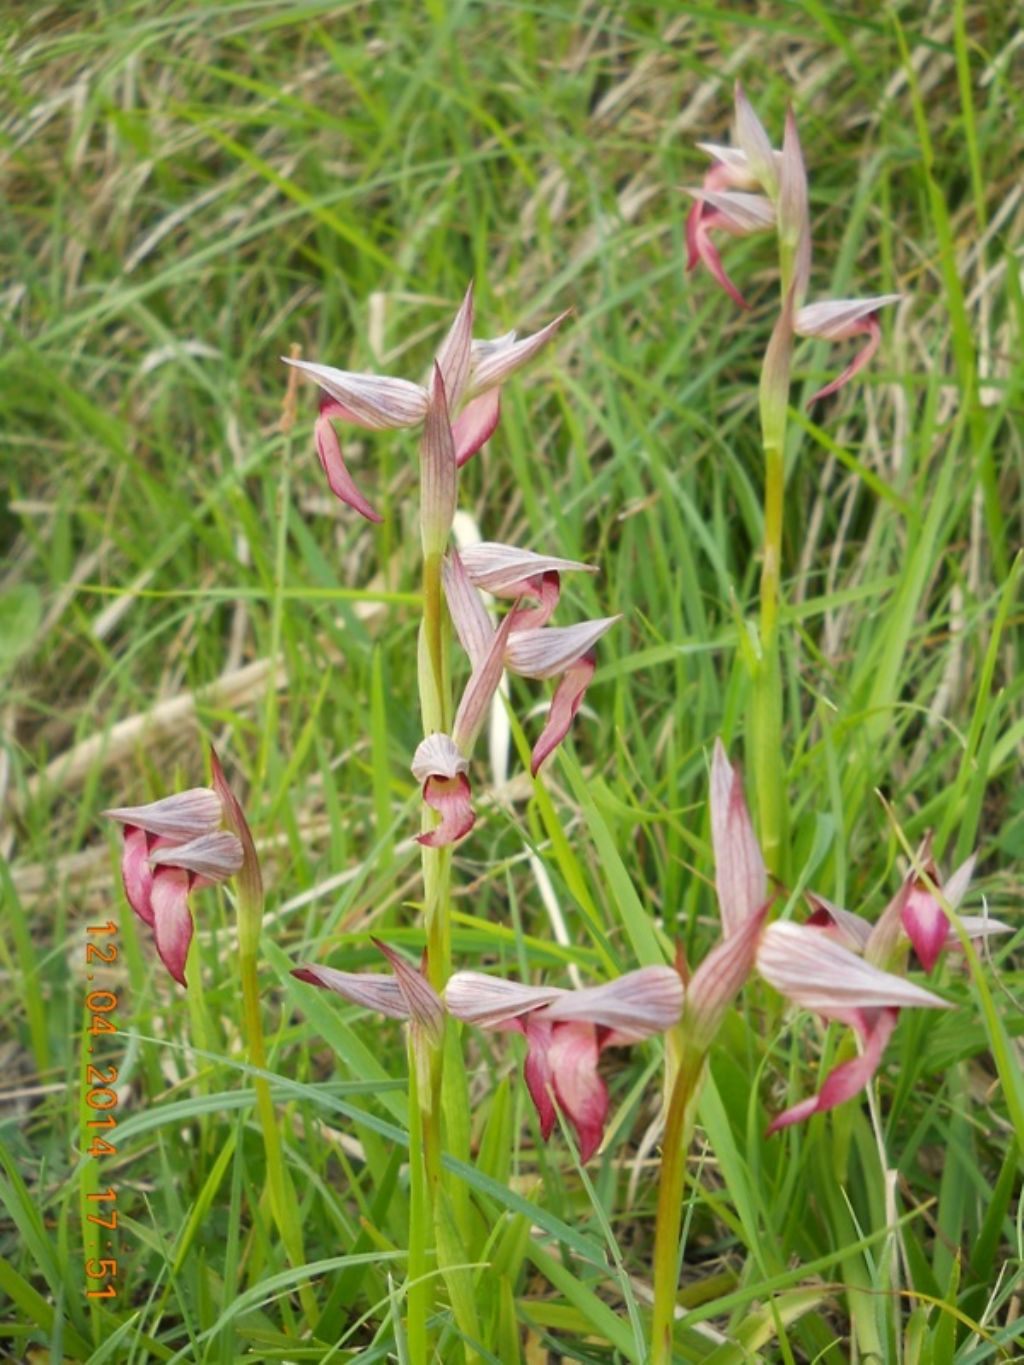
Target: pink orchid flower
(173, 847)
(816, 965)
(814, 971)
(471, 373)
(838, 320)
(531, 648)
(441, 762)
(913, 914)
(733, 211)
(738, 194)
(566, 1032)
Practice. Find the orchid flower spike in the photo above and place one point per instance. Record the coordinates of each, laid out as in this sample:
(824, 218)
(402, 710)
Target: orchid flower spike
(471, 374)
(529, 647)
(811, 965)
(566, 1032)
(173, 847)
(838, 320)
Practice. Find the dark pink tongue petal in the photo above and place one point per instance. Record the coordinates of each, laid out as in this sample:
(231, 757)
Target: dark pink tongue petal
(580, 1091)
(708, 253)
(339, 480)
(692, 240)
(475, 425)
(546, 589)
(564, 705)
(172, 919)
(874, 333)
(137, 873)
(926, 925)
(537, 1071)
(451, 798)
(848, 1079)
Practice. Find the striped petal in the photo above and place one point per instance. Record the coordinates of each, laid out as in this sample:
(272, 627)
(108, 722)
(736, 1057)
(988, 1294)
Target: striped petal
(454, 355)
(495, 361)
(376, 401)
(490, 1002)
(740, 877)
(635, 1006)
(482, 685)
(382, 994)
(821, 975)
(735, 212)
(721, 976)
(755, 144)
(469, 615)
(437, 471)
(839, 319)
(794, 215)
(503, 569)
(214, 857)
(852, 931)
(423, 1002)
(185, 815)
(546, 651)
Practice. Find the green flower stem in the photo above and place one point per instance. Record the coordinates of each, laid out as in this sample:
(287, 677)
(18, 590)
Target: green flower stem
(435, 709)
(679, 1120)
(766, 702)
(430, 1206)
(420, 1295)
(766, 714)
(283, 1203)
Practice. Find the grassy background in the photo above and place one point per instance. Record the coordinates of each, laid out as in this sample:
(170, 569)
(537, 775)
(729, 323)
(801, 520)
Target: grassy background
(191, 191)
